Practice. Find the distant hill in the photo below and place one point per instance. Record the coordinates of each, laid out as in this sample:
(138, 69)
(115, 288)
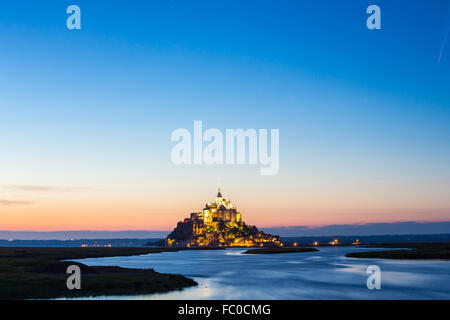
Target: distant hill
(81, 234)
(368, 229)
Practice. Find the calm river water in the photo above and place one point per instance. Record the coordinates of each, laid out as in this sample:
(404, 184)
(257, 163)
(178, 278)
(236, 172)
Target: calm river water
(327, 274)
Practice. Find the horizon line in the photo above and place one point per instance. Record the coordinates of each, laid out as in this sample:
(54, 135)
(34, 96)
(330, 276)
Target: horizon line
(273, 226)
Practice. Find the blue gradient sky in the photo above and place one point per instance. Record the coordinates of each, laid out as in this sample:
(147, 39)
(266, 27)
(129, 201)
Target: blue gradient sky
(363, 115)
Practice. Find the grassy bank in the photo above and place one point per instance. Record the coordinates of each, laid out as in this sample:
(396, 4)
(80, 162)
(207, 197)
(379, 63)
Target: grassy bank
(278, 250)
(415, 250)
(39, 273)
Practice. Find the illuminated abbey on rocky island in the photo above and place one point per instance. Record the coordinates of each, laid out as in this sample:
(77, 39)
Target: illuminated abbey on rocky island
(218, 224)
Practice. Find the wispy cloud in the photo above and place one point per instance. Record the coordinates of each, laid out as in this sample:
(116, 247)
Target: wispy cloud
(44, 189)
(10, 203)
(33, 191)
(442, 47)
(447, 31)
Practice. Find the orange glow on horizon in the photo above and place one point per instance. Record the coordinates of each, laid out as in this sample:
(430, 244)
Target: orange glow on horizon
(48, 218)
(135, 210)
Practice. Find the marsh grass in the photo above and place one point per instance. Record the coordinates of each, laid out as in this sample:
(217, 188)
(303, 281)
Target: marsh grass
(40, 273)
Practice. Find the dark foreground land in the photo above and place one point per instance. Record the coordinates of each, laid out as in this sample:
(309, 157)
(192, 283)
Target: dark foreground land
(39, 273)
(278, 250)
(415, 250)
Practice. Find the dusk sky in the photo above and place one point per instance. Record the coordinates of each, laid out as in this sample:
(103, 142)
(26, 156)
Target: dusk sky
(86, 115)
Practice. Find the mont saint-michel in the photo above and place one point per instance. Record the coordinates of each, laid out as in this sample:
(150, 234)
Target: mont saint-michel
(218, 224)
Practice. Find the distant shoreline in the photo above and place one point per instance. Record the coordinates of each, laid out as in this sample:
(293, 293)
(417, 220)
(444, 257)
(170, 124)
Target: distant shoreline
(143, 242)
(416, 251)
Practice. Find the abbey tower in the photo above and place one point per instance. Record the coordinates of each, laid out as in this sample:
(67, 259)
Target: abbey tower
(218, 224)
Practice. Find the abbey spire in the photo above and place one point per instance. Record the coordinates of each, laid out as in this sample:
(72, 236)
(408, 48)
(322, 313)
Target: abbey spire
(219, 196)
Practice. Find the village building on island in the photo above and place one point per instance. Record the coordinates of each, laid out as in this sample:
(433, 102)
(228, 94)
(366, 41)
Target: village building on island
(218, 224)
